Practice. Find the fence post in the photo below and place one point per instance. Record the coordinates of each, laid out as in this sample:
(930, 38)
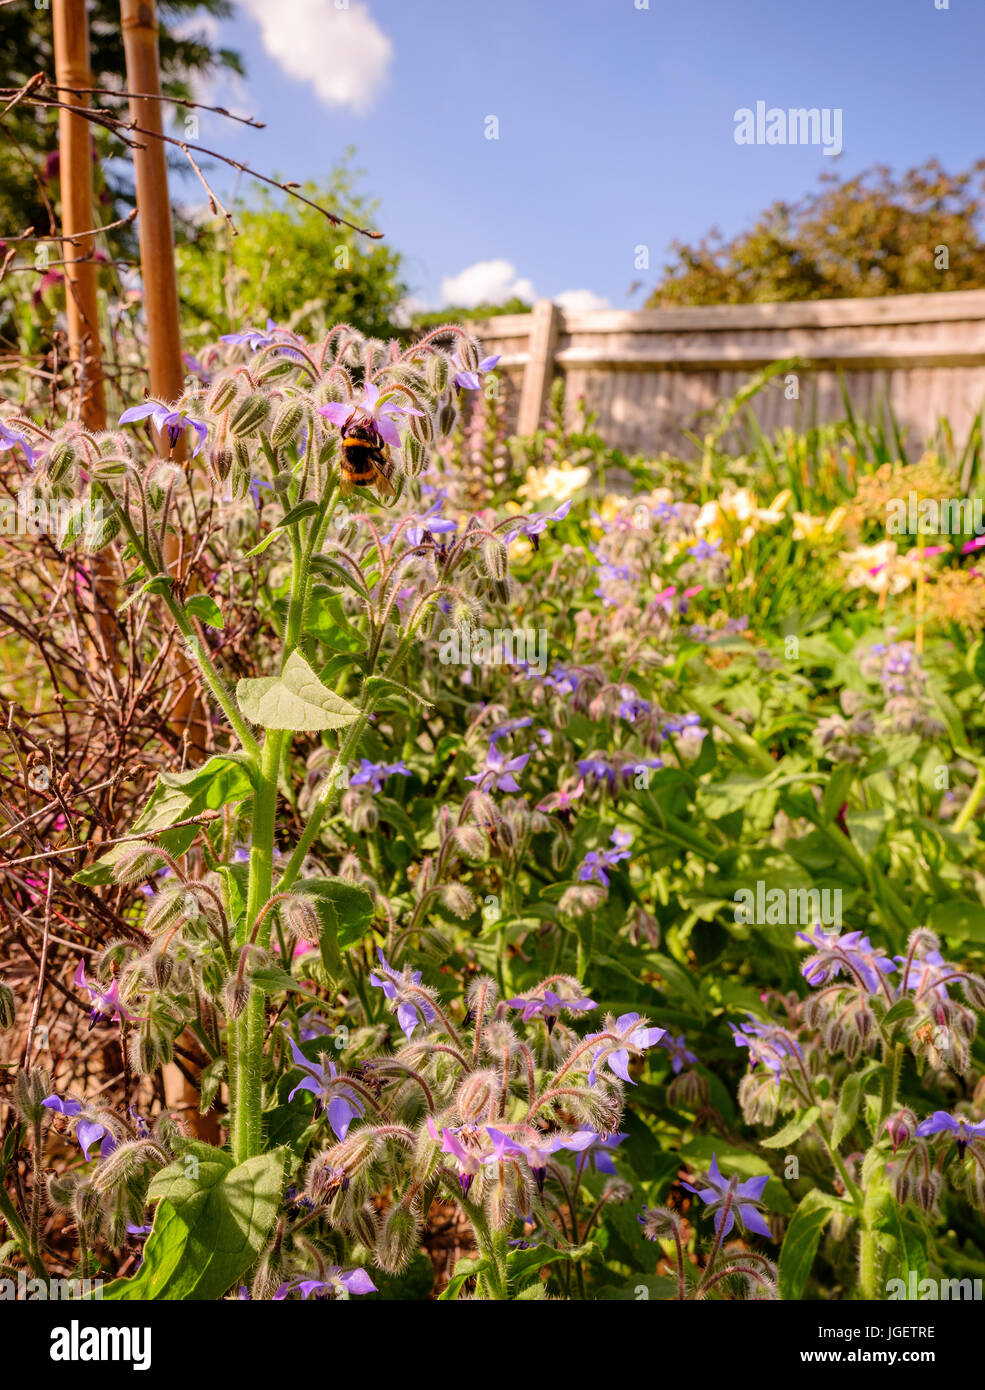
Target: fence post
(545, 324)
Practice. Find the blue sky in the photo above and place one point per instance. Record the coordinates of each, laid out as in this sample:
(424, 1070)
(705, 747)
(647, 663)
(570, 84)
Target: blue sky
(616, 123)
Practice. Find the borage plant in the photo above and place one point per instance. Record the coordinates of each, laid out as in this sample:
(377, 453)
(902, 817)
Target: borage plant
(469, 1108)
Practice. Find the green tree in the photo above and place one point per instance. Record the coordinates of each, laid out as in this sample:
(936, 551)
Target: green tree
(875, 234)
(29, 143)
(290, 264)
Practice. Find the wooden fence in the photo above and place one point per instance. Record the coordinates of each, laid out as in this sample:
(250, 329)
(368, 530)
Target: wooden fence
(652, 374)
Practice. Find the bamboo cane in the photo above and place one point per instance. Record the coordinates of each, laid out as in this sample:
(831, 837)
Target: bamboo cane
(160, 283)
(71, 43)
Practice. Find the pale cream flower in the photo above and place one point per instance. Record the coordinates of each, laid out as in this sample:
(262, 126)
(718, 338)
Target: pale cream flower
(556, 483)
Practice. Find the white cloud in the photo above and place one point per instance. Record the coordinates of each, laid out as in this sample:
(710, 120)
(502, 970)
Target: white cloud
(344, 54)
(580, 301)
(486, 282)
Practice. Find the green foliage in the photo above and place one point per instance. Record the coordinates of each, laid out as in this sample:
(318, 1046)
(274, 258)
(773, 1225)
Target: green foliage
(290, 264)
(874, 234)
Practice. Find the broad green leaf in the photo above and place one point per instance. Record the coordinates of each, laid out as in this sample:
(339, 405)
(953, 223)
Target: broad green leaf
(465, 1268)
(212, 1220)
(343, 907)
(909, 1250)
(294, 700)
(793, 1131)
(868, 827)
(205, 608)
(521, 1263)
(903, 1008)
(222, 780)
(801, 1241)
(851, 1092)
(959, 917)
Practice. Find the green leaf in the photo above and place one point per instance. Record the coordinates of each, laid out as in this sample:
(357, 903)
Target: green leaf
(211, 1223)
(910, 1245)
(292, 518)
(520, 1263)
(903, 1008)
(205, 608)
(867, 828)
(352, 904)
(793, 1131)
(959, 917)
(157, 584)
(465, 1268)
(223, 779)
(294, 700)
(851, 1092)
(801, 1241)
(377, 686)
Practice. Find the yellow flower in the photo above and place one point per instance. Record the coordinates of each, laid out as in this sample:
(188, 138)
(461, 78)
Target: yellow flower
(556, 483)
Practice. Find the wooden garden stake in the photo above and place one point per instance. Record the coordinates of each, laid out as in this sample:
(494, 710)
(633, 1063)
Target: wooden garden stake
(71, 42)
(154, 226)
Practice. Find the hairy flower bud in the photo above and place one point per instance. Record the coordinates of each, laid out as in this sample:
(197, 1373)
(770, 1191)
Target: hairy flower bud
(220, 461)
(422, 428)
(399, 1239)
(469, 354)
(457, 899)
(222, 393)
(30, 1089)
(6, 1005)
(249, 415)
(447, 417)
(415, 455)
(286, 425)
(300, 916)
(236, 994)
(61, 460)
(136, 861)
(364, 1225)
(438, 373)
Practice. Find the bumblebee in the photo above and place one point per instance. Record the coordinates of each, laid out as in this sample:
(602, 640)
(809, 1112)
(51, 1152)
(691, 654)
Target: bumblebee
(365, 458)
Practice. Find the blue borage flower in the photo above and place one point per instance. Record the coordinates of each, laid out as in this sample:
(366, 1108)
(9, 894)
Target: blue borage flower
(729, 1198)
(592, 868)
(15, 439)
(87, 1131)
(850, 952)
(496, 774)
(548, 1004)
(338, 1282)
(634, 1034)
(768, 1044)
(375, 774)
(964, 1130)
(680, 1056)
(168, 421)
(402, 987)
(332, 1095)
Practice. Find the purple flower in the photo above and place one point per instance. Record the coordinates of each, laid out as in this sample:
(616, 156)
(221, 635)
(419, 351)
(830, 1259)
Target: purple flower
(468, 1156)
(428, 527)
(537, 1150)
(338, 1100)
(87, 1132)
(534, 525)
(382, 412)
(469, 381)
(549, 1006)
(851, 952)
(510, 726)
(375, 774)
(10, 439)
(497, 771)
(636, 1035)
(940, 1122)
(105, 1003)
(767, 1043)
(412, 1006)
(703, 550)
(337, 1281)
(742, 1197)
(679, 1053)
(925, 973)
(688, 725)
(631, 704)
(255, 338)
(596, 1150)
(592, 868)
(167, 420)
